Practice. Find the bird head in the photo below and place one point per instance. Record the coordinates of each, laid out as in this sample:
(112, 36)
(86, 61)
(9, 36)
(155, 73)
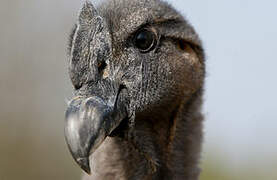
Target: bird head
(127, 59)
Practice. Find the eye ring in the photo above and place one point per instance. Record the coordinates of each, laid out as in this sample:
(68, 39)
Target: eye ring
(145, 40)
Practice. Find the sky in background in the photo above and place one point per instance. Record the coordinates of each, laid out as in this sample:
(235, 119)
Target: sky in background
(240, 38)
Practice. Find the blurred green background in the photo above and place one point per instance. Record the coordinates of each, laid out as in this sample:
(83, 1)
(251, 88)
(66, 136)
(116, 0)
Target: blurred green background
(34, 87)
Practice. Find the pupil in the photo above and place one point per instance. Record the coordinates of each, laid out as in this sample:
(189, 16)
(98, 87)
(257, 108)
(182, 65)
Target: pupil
(144, 40)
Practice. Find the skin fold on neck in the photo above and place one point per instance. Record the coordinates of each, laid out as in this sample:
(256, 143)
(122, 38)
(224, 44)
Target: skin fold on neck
(167, 149)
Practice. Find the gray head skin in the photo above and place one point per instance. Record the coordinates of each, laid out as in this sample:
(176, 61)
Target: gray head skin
(138, 70)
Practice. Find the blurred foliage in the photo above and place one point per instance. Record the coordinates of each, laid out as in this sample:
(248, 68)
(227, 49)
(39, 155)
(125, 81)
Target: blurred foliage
(34, 86)
(216, 168)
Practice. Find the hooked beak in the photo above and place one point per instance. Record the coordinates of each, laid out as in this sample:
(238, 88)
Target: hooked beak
(88, 122)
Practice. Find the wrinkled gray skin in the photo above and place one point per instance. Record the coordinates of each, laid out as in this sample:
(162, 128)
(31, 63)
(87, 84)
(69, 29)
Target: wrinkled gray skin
(136, 115)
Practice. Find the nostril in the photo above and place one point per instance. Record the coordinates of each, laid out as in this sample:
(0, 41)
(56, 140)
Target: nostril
(121, 86)
(101, 66)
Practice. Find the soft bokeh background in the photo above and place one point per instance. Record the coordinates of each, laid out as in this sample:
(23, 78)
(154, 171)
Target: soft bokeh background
(240, 102)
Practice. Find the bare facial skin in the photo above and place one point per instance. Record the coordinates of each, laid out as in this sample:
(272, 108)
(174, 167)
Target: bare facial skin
(138, 70)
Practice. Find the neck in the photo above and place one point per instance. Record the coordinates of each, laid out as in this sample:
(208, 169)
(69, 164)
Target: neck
(164, 149)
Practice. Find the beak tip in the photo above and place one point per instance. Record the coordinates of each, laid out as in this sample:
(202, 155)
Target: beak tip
(84, 164)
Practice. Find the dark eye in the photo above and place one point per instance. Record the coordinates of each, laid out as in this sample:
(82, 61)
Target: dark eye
(145, 40)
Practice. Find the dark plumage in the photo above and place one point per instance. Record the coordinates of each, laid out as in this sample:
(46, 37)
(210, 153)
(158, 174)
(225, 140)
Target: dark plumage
(138, 69)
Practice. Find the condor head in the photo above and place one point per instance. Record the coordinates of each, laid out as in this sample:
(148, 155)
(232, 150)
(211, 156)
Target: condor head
(122, 66)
